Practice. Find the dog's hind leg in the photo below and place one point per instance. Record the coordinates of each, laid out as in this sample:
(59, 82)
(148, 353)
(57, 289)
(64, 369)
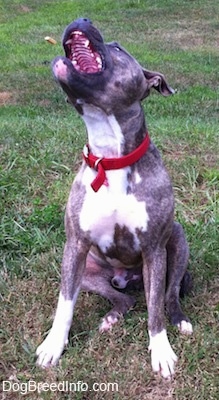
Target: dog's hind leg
(178, 278)
(97, 279)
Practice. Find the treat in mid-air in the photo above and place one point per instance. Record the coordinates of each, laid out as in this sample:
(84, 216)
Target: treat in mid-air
(50, 40)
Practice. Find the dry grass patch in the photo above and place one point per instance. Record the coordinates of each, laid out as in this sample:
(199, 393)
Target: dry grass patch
(7, 98)
(188, 35)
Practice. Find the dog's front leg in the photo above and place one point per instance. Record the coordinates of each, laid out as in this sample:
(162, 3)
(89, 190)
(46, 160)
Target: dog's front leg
(73, 265)
(163, 357)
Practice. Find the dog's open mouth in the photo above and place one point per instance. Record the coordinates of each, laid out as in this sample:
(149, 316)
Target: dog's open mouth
(83, 55)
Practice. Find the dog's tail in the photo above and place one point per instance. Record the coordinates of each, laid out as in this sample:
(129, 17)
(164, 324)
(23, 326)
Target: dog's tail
(186, 284)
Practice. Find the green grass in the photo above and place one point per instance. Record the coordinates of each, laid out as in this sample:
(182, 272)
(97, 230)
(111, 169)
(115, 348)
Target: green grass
(41, 139)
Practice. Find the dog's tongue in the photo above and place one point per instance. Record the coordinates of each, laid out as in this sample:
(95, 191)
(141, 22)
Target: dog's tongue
(83, 56)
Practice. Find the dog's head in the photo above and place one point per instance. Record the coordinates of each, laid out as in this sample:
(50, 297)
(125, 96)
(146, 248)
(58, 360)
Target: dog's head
(103, 74)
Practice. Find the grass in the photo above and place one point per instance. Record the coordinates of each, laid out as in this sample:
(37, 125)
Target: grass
(40, 148)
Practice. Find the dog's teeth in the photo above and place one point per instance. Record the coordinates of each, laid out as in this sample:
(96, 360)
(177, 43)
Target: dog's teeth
(99, 61)
(86, 44)
(68, 41)
(77, 33)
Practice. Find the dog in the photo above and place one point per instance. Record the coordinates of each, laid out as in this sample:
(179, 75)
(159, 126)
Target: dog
(119, 219)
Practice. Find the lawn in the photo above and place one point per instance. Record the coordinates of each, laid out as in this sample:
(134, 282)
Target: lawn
(41, 139)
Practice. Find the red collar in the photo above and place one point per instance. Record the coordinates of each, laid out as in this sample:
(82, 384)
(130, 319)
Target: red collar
(104, 164)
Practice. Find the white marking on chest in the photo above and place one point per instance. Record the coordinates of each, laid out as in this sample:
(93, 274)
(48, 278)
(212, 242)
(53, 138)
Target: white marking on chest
(111, 205)
(137, 178)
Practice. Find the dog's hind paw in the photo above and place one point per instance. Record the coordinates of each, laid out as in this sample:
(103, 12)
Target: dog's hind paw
(49, 351)
(185, 327)
(108, 321)
(163, 358)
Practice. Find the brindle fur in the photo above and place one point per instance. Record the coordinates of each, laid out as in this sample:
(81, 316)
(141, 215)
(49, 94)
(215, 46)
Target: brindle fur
(118, 90)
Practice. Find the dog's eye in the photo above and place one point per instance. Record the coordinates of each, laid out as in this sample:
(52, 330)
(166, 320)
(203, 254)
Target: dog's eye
(116, 46)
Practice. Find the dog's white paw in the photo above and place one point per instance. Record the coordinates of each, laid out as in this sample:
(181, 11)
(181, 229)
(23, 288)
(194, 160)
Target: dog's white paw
(108, 322)
(50, 350)
(163, 357)
(185, 327)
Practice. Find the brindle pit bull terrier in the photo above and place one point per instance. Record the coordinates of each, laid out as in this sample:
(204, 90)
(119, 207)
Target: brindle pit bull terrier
(119, 216)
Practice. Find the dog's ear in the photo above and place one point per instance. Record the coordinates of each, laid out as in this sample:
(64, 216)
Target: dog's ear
(157, 81)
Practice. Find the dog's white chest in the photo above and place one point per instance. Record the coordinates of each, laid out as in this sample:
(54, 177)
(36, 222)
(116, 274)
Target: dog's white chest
(111, 206)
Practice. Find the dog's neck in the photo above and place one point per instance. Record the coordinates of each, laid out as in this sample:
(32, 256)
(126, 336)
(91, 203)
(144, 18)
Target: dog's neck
(105, 137)
(108, 135)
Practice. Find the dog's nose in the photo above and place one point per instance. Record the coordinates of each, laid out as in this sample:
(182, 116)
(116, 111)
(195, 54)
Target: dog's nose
(80, 21)
(118, 282)
(87, 20)
(115, 283)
